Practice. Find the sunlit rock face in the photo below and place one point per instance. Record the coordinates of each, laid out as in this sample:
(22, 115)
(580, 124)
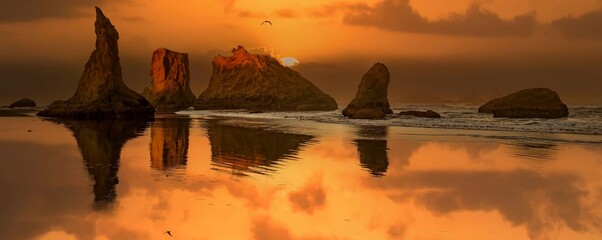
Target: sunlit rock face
(169, 143)
(170, 88)
(528, 103)
(260, 82)
(243, 150)
(101, 92)
(100, 144)
(371, 101)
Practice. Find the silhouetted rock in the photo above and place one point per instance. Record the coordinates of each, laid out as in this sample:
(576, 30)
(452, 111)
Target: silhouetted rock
(25, 102)
(260, 82)
(101, 92)
(425, 114)
(371, 100)
(528, 103)
(170, 90)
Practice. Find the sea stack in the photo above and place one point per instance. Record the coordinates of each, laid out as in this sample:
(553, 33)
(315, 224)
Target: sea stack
(25, 102)
(101, 92)
(260, 82)
(528, 103)
(371, 100)
(170, 90)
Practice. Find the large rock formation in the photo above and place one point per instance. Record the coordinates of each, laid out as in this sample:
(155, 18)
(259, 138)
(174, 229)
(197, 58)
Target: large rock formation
(260, 82)
(371, 100)
(101, 92)
(528, 103)
(25, 102)
(170, 88)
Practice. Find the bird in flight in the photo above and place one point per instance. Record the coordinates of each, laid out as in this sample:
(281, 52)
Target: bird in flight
(169, 233)
(267, 22)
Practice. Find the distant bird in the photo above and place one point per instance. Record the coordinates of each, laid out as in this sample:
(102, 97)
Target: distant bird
(267, 22)
(169, 233)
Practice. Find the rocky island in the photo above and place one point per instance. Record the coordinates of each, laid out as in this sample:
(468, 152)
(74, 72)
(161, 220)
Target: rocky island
(25, 102)
(170, 90)
(371, 100)
(101, 92)
(260, 82)
(528, 103)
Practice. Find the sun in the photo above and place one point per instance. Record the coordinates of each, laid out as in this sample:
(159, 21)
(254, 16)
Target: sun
(289, 61)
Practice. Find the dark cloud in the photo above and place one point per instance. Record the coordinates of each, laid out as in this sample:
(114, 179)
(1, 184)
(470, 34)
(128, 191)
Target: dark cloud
(588, 25)
(399, 15)
(310, 197)
(31, 10)
(415, 80)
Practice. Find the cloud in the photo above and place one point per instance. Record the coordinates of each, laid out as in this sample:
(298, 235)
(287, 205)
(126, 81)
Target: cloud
(588, 25)
(399, 15)
(537, 201)
(310, 197)
(32, 10)
(286, 13)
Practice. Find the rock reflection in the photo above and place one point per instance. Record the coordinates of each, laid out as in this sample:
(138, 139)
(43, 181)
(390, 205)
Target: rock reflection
(169, 145)
(100, 144)
(372, 149)
(242, 150)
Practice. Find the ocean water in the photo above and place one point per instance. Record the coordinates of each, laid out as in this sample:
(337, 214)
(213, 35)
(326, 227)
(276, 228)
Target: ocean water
(584, 124)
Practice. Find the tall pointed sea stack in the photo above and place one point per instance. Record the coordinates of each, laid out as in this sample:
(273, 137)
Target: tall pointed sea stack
(170, 90)
(260, 82)
(101, 92)
(371, 100)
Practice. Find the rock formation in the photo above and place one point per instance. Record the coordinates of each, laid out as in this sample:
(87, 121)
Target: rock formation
(170, 90)
(260, 82)
(528, 103)
(25, 102)
(101, 92)
(425, 114)
(371, 100)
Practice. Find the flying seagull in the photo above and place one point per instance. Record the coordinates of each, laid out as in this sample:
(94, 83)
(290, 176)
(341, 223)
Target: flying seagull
(267, 22)
(169, 233)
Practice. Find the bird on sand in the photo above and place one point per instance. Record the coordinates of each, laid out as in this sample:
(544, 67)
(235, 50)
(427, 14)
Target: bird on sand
(267, 22)
(169, 233)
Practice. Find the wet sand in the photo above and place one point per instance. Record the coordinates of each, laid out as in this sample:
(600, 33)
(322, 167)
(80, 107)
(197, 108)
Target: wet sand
(289, 179)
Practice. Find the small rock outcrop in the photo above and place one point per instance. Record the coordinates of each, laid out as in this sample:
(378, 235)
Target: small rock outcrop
(25, 102)
(170, 90)
(425, 114)
(101, 92)
(371, 100)
(528, 103)
(260, 82)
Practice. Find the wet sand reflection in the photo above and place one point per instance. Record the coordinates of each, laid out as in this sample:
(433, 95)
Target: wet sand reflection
(242, 150)
(100, 144)
(169, 146)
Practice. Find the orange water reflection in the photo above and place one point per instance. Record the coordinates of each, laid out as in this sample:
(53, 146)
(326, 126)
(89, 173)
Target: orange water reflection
(257, 180)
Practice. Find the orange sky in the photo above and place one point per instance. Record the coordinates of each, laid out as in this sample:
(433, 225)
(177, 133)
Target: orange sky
(56, 40)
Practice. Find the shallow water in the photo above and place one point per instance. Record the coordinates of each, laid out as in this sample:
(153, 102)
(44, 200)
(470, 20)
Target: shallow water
(216, 177)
